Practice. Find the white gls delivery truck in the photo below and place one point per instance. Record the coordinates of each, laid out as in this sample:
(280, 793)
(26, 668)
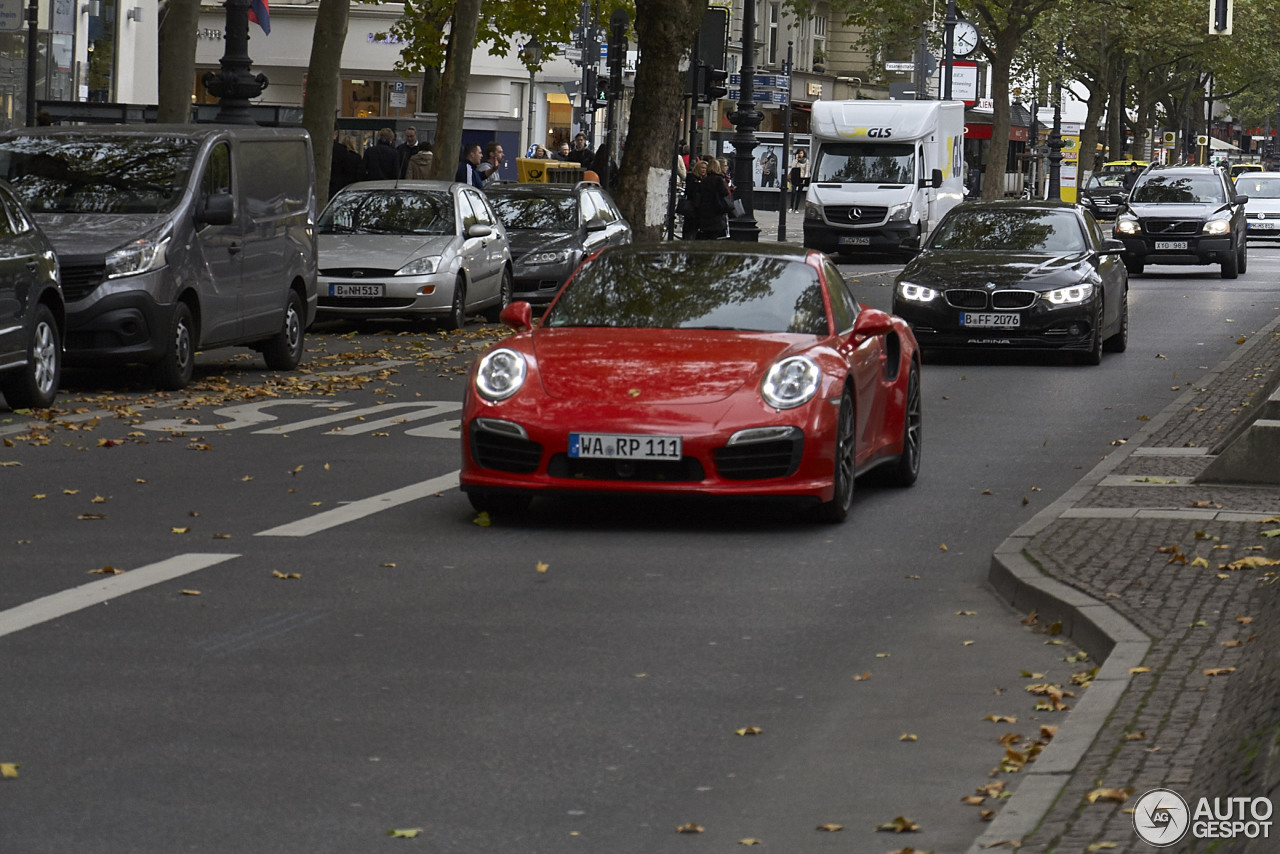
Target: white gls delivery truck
(883, 173)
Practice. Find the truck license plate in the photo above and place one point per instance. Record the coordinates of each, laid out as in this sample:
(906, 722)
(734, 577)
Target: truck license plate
(847, 240)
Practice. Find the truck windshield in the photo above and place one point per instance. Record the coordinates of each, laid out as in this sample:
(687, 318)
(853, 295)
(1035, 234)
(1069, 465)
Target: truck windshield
(865, 163)
(88, 173)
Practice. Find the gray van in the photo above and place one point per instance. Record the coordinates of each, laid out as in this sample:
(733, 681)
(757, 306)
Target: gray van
(174, 238)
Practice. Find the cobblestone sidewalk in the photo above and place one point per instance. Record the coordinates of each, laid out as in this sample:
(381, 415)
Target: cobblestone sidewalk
(1170, 582)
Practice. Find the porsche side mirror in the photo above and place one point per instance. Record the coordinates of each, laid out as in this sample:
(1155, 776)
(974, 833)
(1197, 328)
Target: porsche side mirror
(517, 315)
(872, 322)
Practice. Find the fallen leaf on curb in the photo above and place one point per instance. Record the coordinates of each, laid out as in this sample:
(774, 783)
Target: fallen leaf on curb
(1232, 643)
(910, 850)
(690, 828)
(1244, 621)
(899, 825)
(830, 827)
(1139, 669)
(1140, 735)
(1117, 795)
(1101, 846)
(1219, 671)
(987, 815)
(409, 833)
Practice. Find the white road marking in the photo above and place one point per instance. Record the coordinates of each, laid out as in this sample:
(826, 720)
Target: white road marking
(426, 409)
(246, 415)
(60, 604)
(362, 508)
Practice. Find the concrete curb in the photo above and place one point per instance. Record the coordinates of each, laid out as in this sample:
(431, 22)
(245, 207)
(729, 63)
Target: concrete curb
(1092, 625)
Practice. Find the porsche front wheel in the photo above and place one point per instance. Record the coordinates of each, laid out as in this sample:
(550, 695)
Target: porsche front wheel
(837, 509)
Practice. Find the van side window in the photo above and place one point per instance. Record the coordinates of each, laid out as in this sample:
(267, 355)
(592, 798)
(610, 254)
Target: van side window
(217, 172)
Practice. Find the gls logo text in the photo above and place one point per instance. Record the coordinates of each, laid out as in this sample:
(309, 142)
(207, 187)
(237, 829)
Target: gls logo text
(872, 133)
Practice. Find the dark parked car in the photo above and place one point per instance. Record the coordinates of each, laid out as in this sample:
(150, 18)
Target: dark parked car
(551, 228)
(1184, 215)
(1017, 275)
(32, 316)
(1099, 195)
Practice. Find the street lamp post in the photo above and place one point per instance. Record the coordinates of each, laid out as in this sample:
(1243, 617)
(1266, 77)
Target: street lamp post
(1055, 137)
(745, 120)
(531, 56)
(233, 84)
(784, 200)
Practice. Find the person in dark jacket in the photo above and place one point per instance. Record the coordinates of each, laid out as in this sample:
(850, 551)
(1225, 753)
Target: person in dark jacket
(407, 149)
(346, 166)
(381, 160)
(468, 170)
(713, 219)
(693, 199)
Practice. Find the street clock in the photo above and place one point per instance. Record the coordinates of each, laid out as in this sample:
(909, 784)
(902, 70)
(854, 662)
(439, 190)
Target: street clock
(964, 38)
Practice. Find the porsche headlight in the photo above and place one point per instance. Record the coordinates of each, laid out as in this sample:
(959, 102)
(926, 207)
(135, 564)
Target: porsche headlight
(1071, 295)
(534, 259)
(790, 383)
(501, 374)
(916, 293)
(1128, 225)
(420, 266)
(1217, 226)
(138, 256)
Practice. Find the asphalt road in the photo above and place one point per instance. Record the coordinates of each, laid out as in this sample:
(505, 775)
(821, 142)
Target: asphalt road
(421, 672)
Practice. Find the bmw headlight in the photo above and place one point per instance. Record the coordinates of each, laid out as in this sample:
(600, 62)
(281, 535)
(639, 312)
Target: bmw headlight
(900, 212)
(916, 293)
(420, 266)
(501, 374)
(790, 383)
(1128, 225)
(1217, 226)
(535, 259)
(1071, 295)
(138, 256)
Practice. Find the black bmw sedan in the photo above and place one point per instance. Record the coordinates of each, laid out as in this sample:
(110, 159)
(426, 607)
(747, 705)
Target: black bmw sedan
(1017, 275)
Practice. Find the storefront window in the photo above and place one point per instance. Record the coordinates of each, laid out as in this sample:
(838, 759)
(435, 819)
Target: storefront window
(102, 53)
(373, 98)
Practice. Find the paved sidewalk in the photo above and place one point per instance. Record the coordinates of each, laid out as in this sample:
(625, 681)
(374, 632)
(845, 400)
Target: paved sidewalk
(1142, 566)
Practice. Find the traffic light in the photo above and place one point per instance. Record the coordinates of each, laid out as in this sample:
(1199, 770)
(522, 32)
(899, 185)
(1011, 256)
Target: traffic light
(715, 84)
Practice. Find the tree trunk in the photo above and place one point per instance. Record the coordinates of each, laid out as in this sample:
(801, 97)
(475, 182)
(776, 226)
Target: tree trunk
(996, 162)
(1094, 108)
(177, 69)
(665, 30)
(320, 103)
(453, 89)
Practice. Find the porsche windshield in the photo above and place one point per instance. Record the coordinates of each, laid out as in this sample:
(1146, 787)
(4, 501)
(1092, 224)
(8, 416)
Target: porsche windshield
(388, 212)
(88, 173)
(1009, 231)
(693, 290)
(865, 163)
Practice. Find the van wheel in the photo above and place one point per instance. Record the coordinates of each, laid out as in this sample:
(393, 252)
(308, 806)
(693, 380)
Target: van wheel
(284, 351)
(178, 364)
(457, 317)
(505, 290)
(35, 384)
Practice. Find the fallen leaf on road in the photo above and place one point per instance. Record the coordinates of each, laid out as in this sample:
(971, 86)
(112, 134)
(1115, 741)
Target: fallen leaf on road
(189, 592)
(86, 517)
(1117, 795)
(966, 613)
(987, 815)
(409, 833)
(830, 827)
(899, 825)
(908, 736)
(179, 530)
(106, 570)
(749, 730)
(1002, 719)
(973, 800)
(542, 567)
(750, 841)
(278, 574)
(9, 770)
(690, 828)
(863, 677)
(482, 519)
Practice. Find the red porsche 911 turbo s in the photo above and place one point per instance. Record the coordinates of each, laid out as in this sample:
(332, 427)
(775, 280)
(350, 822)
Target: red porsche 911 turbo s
(712, 368)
